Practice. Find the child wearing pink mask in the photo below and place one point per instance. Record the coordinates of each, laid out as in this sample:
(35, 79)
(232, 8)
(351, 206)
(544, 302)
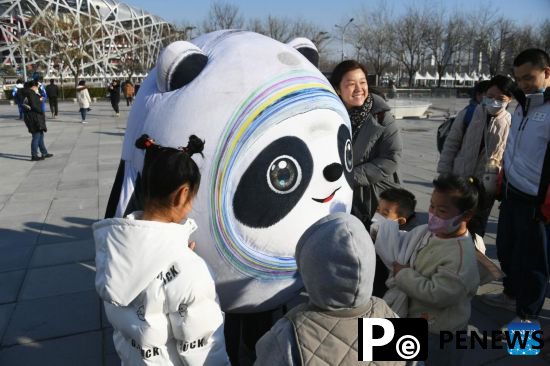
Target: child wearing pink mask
(444, 275)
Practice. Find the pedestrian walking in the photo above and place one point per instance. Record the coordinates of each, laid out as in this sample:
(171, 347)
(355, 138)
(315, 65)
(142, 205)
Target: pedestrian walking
(52, 91)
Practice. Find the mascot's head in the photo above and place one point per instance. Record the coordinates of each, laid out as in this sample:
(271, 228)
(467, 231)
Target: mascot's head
(277, 155)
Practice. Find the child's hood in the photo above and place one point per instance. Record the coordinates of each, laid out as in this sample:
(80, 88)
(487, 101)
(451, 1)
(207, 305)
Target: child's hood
(131, 252)
(336, 260)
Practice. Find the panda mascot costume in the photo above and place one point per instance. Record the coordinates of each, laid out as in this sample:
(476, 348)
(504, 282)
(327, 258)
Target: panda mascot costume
(277, 155)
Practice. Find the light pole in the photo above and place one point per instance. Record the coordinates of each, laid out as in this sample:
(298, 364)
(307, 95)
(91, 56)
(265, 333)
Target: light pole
(343, 29)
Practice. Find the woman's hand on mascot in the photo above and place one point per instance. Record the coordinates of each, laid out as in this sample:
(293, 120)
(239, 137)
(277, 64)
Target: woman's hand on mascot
(192, 245)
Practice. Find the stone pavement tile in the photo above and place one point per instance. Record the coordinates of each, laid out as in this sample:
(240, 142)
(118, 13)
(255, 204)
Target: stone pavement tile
(51, 317)
(74, 226)
(81, 349)
(18, 208)
(77, 184)
(77, 193)
(31, 185)
(63, 253)
(30, 196)
(9, 187)
(14, 256)
(65, 204)
(58, 280)
(10, 283)
(5, 314)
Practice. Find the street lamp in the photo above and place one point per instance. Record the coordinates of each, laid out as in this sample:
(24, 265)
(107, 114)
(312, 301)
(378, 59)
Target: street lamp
(343, 29)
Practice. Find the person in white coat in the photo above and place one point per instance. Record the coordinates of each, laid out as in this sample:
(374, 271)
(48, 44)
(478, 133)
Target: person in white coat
(83, 98)
(476, 150)
(158, 294)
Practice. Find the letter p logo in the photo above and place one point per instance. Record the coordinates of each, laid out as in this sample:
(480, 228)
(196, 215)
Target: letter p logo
(392, 339)
(367, 334)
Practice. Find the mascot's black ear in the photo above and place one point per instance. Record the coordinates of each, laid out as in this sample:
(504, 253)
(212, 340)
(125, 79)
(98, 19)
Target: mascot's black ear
(306, 48)
(178, 65)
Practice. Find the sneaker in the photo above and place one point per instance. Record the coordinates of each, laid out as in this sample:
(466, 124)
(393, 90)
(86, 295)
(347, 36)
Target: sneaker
(83, 122)
(117, 114)
(500, 300)
(48, 155)
(36, 158)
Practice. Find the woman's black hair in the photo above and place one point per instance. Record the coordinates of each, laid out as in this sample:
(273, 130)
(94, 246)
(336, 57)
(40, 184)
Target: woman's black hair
(504, 84)
(342, 68)
(466, 193)
(480, 88)
(82, 82)
(166, 169)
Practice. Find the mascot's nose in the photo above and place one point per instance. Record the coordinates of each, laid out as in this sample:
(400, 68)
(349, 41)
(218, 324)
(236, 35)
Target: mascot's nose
(333, 172)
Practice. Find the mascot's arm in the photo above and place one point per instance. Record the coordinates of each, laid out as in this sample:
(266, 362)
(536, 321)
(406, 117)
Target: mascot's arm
(385, 163)
(195, 315)
(278, 346)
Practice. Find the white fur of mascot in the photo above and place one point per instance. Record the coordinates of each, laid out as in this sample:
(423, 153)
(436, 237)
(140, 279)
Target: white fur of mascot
(277, 155)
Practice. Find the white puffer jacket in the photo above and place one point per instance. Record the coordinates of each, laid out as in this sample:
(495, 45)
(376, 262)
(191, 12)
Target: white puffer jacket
(158, 294)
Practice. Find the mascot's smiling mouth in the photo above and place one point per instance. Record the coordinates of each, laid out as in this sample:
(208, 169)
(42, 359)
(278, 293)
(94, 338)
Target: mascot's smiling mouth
(327, 199)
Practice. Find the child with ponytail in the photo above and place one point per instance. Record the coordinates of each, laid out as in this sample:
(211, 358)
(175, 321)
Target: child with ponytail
(158, 294)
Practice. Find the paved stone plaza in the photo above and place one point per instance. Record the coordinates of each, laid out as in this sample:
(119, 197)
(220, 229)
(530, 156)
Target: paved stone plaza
(49, 311)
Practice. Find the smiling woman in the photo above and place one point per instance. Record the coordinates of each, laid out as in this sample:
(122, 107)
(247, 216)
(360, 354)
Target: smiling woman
(376, 142)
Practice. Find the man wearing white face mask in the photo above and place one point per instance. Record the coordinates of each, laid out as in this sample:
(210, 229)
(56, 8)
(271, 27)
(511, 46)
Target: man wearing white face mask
(477, 151)
(522, 237)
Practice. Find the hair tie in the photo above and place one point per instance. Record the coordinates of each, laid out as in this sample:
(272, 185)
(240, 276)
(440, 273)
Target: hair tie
(149, 143)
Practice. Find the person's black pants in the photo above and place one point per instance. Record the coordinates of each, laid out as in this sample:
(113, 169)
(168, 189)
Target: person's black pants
(522, 249)
(114, 103)
(246, 327)
(53, 105)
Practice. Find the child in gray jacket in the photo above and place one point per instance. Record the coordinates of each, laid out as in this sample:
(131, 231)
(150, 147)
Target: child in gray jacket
(336, 261)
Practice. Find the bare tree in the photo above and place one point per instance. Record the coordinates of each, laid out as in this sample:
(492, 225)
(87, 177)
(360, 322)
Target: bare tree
(410, 33)
(223, 16)
(544, 36)
(497, 45)
(374, 38)
(444, 38)
(66, 38)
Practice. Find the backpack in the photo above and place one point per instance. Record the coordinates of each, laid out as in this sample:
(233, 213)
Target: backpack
(445, 128)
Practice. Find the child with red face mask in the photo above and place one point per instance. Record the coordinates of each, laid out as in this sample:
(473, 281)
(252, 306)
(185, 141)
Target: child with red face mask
(443, 276)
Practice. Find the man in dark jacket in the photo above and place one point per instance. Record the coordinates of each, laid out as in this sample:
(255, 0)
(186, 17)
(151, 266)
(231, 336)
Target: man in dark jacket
(52, 91)
(35, 121)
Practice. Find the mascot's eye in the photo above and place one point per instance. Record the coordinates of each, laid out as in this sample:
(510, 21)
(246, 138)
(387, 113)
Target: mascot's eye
(348, 159)
(284, 174)
(273, 183)
(345, 150)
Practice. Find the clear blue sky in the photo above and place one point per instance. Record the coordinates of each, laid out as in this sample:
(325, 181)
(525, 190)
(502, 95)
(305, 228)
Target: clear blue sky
(326, 13)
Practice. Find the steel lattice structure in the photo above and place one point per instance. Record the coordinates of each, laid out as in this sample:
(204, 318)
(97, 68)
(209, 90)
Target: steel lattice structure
(105, 35)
